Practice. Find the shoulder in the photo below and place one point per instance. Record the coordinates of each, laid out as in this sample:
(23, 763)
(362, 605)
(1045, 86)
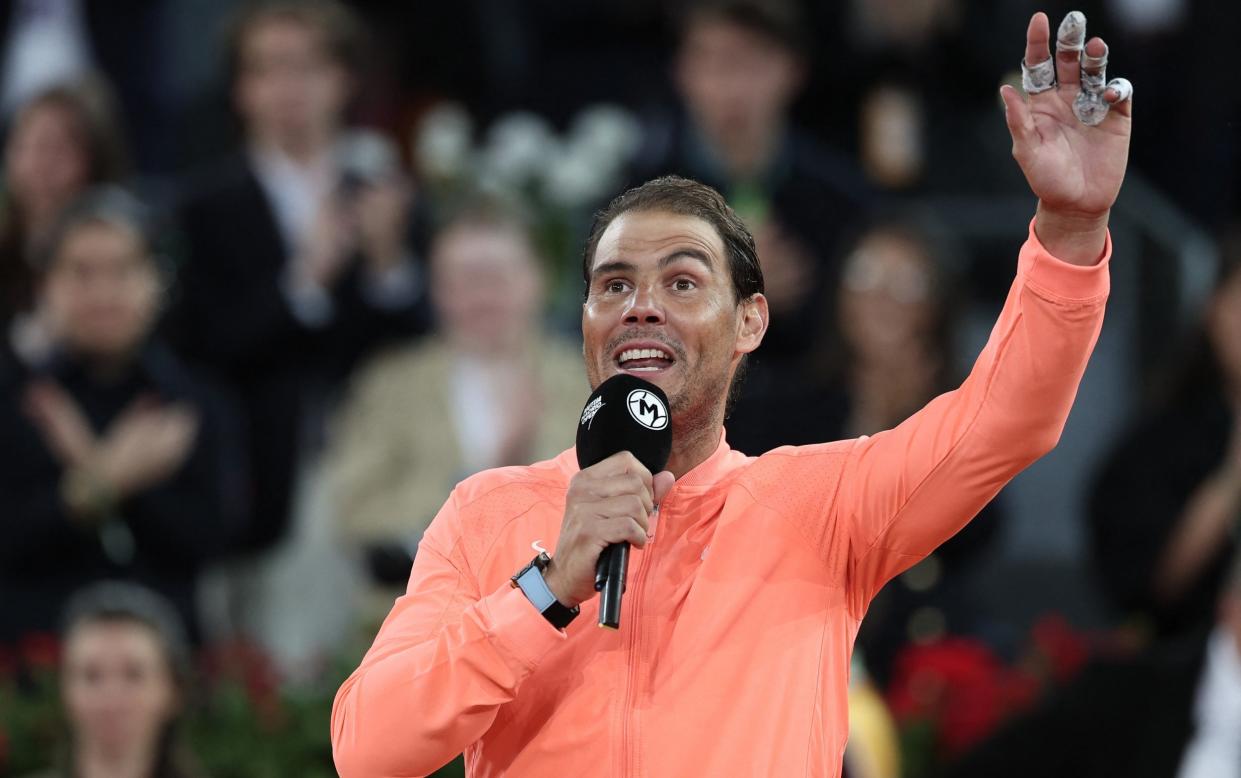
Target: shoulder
(785, 472)
(481, 506)
(512, 490)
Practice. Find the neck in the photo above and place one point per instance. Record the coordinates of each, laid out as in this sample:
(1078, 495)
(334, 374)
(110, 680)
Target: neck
(101, 763)
(693, 443)
(747, 152)
(304, 149)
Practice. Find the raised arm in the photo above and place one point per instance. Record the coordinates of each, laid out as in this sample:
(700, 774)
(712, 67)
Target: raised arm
(905, 491)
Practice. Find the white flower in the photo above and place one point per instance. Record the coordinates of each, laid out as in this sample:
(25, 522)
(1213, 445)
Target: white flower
(519, 146)
(610, 132)
(444, 140)
(576, 178)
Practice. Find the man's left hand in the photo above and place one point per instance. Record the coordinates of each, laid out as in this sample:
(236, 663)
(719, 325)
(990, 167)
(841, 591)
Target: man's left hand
(1074, 168)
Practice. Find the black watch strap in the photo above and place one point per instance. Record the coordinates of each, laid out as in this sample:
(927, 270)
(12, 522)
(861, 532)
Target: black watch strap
(530, 580)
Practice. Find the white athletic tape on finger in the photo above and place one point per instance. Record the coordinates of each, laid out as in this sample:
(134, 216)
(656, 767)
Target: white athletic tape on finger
(1094, 72)
(1122, 88)
(1072, 33)
(1089, 106)
(1038, 77)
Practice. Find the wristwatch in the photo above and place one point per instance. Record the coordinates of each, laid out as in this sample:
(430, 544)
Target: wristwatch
(530, 580)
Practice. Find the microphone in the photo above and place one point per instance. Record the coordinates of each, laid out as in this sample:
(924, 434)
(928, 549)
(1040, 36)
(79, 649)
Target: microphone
(624, 414)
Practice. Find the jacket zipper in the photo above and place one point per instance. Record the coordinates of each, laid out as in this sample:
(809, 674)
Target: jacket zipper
(635, 600)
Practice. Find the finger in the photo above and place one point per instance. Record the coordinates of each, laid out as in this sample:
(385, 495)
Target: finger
(663, 483)
(626, 462)
(1070, 40)
(1038, 38)
(1017, 116)
(624, 507)
(627, 531)
(1094, 64)
(1119, 94)
(1038, 71)
(1088, 104)
(623, 485)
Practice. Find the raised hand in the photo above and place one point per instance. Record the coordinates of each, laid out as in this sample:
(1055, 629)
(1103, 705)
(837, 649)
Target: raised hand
(1074, 167)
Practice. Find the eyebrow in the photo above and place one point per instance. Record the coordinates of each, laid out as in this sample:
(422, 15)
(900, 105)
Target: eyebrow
(621, 266)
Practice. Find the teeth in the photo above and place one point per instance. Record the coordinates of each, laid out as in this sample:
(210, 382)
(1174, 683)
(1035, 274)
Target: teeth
(643, 353)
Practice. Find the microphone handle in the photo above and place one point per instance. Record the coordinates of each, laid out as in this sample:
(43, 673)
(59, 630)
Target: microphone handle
(610, 574)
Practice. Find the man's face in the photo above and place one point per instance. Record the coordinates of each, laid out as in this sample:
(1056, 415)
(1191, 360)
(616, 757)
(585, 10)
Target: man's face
(735, 80)
(288, 86)
(661, 306)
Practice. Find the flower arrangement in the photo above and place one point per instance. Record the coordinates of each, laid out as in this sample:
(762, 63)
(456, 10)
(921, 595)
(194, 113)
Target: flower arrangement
(558, 179)
(949, 695)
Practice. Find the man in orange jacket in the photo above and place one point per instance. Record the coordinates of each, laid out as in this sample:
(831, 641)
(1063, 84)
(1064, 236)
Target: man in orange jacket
(749, 576)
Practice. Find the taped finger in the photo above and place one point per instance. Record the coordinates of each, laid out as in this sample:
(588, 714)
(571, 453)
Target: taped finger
(1122, 89)
(1070, 40)
(1038, 77)
(1089, 105)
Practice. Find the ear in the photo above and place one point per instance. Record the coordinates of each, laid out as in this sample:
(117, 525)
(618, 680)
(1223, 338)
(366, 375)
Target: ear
(751, 323)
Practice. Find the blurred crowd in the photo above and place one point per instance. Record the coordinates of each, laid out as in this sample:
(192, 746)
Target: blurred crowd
(275, 275)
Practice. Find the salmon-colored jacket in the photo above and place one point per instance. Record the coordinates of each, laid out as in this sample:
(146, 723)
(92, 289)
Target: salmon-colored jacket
(733, 654)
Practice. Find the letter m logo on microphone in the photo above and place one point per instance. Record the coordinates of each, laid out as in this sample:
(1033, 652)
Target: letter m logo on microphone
(647, 409)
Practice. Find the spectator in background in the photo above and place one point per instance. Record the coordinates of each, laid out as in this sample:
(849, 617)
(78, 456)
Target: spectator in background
(125, 675)
(1166, 507)
(1173, 711)
(894, 333)
(117, 461)
(491, 387)
(739, 67)
(63, 140)
(297, 258)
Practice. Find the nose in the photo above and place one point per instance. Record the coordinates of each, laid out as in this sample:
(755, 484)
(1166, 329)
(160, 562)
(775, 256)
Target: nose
(644, 308)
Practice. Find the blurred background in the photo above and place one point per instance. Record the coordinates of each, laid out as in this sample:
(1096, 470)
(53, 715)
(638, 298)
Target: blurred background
(258, 260)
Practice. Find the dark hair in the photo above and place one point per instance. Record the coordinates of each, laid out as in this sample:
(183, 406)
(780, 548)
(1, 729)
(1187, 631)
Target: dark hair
(673, 194)
(781, 21)
(117, 602)
(101, 205)
(342, 32)
(92, 110)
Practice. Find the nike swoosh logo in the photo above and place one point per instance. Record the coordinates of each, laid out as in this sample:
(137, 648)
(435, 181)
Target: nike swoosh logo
(538, 546)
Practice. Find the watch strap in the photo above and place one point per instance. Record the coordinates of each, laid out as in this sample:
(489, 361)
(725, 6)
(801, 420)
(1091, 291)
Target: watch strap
(531, 582)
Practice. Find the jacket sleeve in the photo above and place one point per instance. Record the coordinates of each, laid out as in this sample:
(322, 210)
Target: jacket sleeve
(447, 657)
(905, 491)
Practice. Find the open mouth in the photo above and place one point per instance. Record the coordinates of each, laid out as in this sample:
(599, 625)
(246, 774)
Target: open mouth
(644, 359)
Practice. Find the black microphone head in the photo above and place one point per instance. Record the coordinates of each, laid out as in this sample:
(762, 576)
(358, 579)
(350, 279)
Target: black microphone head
(625, 414)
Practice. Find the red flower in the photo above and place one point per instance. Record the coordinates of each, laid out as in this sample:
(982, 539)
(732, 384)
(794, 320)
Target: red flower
(1063, 650)
(959, 685)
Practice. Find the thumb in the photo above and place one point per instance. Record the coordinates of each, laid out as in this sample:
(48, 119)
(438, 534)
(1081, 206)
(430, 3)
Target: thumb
(662, 484)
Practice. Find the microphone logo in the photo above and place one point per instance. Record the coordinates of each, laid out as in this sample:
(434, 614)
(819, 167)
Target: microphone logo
(647, 409)
(588, 413)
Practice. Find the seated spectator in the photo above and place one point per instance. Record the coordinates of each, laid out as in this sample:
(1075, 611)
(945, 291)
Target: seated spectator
(894, 331)
(1173, 711)
(60, 142)
(297, 261)
(1165, 508)
(492, 387)
(125, 675)
(739, 66)
(117, 461)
